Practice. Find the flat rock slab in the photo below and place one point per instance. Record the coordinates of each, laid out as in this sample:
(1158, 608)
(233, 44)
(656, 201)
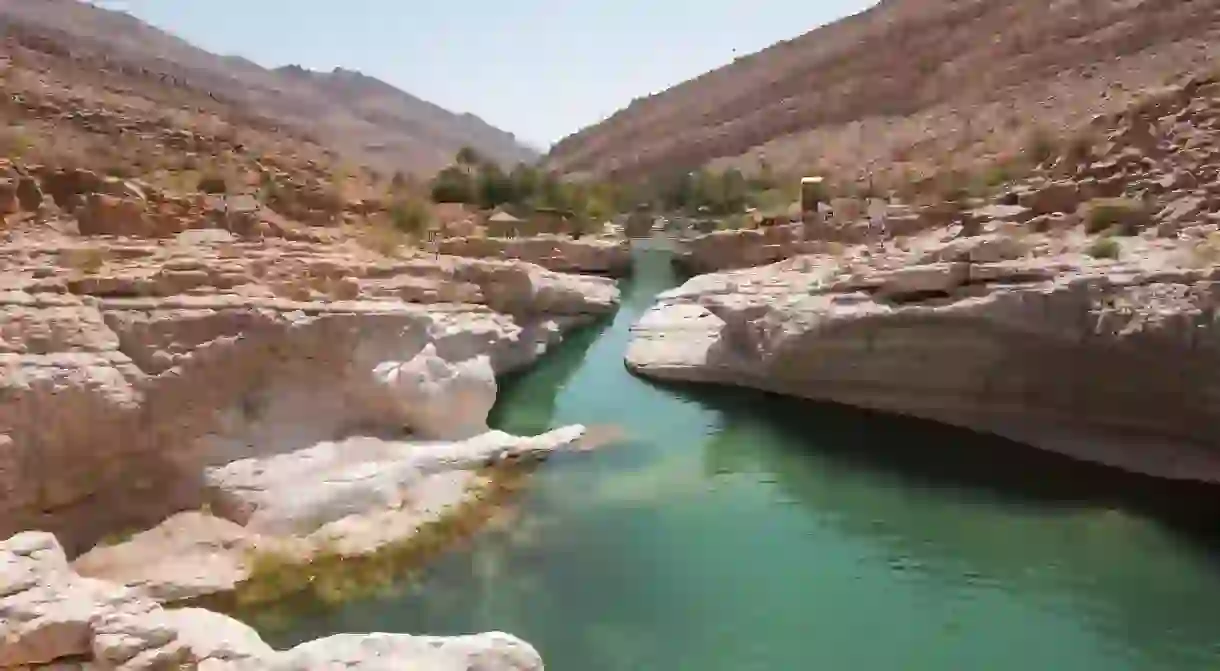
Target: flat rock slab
(189, 555)
(386, 652)
(299, 492)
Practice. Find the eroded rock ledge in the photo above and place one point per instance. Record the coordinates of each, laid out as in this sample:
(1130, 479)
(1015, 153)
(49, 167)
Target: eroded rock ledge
(1011, 332)
(561, 253)
(52, 618)
(130, 366)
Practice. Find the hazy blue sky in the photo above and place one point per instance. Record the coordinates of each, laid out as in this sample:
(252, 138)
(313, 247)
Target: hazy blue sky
(538, 68)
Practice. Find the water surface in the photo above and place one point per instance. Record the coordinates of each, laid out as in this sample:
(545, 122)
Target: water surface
(736, 531)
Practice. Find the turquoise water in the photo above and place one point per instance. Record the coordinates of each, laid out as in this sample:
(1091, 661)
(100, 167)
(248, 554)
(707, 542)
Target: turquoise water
(734, 531)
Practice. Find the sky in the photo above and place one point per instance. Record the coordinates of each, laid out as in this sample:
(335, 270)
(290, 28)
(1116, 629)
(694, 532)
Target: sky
(541, 69)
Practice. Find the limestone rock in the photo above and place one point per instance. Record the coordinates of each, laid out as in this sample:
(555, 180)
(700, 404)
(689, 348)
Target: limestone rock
(172, 356)
(189, 555)
(50, 617)
(300, 492)
(104, 214)
(438, 398)
(1040, 349)
(386, 652)
(553, 252)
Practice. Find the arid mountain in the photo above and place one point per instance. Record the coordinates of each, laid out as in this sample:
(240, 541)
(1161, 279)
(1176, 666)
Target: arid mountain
(908, 86)
(371, 121)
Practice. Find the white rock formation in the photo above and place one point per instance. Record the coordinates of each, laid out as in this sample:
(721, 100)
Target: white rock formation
(386, 652)
(50, 617)
(439, 399)
(1104, 360)
(352, 497)
(299, 492)
(113, 407)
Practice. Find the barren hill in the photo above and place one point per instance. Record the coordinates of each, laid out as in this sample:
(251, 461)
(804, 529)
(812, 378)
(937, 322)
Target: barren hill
(908, 85)
(371, 122)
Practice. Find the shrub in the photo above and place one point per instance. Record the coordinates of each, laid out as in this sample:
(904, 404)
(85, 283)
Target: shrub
(16, 142)
(1104, 248)
(87, 260)
(214, 184)
(1040, 146)
(385, 240)
(1125, 216)
(1079, 149)
(1206, 252)
(410, 217)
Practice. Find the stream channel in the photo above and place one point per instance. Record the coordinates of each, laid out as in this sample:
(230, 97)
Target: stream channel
(735, 531)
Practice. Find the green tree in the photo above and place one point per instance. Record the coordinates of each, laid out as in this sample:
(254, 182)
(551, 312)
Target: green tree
(468, 157)
(552, 193)
(676, 191)
(493, 187)
(526, 183)
(453, 185)
(735, 190)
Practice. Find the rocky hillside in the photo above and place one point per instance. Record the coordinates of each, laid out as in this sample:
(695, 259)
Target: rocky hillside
(1074, 310)
(363, 118)
(908, 87)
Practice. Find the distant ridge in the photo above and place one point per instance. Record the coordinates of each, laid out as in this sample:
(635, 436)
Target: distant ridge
(354, 114)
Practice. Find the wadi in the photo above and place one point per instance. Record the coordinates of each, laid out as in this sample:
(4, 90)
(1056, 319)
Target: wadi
(299, 371)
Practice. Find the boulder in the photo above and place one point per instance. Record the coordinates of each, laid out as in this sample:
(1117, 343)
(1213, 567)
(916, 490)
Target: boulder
(385, 652)
(441, 399)
(104, 214)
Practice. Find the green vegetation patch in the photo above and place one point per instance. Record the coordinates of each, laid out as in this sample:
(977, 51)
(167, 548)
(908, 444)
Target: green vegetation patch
(1123, 216)
(281, 585)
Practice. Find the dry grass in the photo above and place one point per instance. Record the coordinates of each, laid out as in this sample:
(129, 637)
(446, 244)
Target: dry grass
(1125, 216)
(84, 260)
(1205, 253)
(382, 238)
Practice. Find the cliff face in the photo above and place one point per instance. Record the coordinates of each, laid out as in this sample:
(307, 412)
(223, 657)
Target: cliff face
(908, 84)
(359, 116)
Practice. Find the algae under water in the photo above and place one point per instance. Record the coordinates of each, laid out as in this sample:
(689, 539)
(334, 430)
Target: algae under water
(730, 530)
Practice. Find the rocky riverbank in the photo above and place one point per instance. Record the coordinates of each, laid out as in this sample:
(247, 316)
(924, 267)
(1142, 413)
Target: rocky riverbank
(125, 380)
(56, 619)
(1075, 312)
(255, 402)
